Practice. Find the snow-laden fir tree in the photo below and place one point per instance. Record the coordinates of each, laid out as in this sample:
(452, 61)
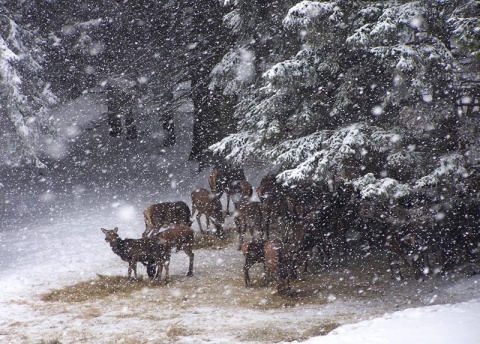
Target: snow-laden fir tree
(373, 91)
(24, 96)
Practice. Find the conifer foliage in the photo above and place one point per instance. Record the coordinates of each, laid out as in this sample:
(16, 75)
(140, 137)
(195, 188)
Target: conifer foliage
(374, 88)
(24, 95)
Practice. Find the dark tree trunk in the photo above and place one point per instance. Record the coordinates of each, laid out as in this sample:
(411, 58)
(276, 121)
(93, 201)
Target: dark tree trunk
(168, 129)
(130, 125)
(115, 123)
(205, 125)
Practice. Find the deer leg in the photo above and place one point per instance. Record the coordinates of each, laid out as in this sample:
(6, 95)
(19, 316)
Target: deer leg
(265, 274)
(152, 269)
(418, 264)
(158, 276)
(241, 233)
(395, 267)
(246, 267)
(250, 229)
(191, 256)
(208, 223)
(147, 231)
(132, 266)
(167, 271)
(238, 224)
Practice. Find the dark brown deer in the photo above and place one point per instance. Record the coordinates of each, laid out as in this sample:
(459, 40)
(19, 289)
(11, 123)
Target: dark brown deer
(280, 264)
(404, 243)
(253, 253)
(226, 179)
(313, 237)
(248, 214)
(180, 237)
(206, 203)
(273, 201)
(246, 189)
(165, 214)
(150, 253)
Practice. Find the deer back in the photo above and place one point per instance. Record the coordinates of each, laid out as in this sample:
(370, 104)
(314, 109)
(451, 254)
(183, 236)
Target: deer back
(167, 213)
(180, 236)
(225, 179)
(136, 250)
(207, 203)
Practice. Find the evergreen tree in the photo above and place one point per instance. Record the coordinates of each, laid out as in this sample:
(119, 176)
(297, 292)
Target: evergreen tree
(373, 90)
(24, 95)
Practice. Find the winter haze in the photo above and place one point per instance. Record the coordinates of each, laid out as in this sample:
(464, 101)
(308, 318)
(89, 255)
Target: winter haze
(355, 122)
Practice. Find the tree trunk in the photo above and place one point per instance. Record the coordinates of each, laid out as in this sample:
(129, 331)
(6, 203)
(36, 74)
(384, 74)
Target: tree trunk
(206, 119)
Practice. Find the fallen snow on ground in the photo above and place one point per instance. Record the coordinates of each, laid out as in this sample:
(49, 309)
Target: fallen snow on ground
(48, 254)
(433, 324)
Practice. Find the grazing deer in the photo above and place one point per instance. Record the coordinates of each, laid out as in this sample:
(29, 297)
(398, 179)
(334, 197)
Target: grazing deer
(403, 243)
(165, 214)
(146, 251)
(226, 179)
(248, 214)
(208, 204)
(280, 264)
(253, 253)
(182, 238)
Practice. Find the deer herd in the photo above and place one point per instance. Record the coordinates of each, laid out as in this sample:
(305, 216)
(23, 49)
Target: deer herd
(288, 227)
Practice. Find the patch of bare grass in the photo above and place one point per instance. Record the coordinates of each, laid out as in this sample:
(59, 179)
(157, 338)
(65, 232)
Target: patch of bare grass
(213, 242)
(321, 329)
(176, 330)
(95, 289)
(272, 333)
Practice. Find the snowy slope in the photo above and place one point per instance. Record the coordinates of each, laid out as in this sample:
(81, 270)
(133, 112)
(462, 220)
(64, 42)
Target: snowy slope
(50, 237)
(434, 324)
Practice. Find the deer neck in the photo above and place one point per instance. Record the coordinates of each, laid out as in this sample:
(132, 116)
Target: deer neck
(118, 247)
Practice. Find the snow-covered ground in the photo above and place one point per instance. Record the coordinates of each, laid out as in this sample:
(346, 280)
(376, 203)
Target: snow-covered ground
(50, 238)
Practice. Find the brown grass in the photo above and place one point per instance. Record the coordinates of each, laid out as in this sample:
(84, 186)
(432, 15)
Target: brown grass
(176, 331)
(211, 241)
(274, 333)
(95, 289)
(224, 285)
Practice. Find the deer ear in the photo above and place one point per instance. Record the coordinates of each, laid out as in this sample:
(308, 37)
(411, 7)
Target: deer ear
(115, 229)
(104, 230)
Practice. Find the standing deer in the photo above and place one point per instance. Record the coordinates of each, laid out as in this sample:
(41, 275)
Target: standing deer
(165, 214)
(208, 204)
(273, 201)
(253, 253)
(226, 179)
(404, 243)
(180, 237)
(248, 214)
(146, 251)
(280, 264)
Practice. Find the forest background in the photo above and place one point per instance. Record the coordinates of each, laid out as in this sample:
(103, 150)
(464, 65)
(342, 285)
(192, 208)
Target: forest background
(381, 94)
